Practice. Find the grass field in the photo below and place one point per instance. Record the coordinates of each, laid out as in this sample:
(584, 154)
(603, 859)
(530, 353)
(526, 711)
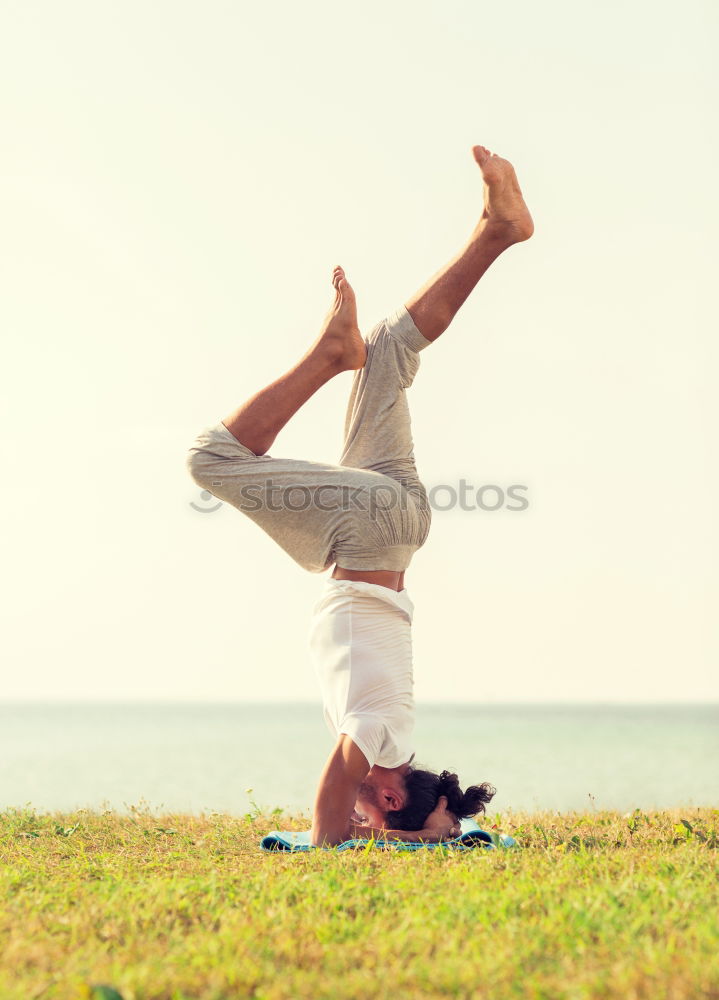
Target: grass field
(176, 907)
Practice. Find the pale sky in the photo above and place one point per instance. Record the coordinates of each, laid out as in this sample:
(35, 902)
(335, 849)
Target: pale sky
(179, 180)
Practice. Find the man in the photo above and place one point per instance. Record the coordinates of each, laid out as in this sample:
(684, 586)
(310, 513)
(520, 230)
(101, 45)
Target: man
(366, 516)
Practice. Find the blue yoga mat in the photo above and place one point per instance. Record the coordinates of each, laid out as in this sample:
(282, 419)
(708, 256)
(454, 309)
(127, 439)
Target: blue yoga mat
(471, 836)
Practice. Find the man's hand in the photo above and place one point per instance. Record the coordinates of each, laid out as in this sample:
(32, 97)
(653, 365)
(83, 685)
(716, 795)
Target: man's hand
(441, 824)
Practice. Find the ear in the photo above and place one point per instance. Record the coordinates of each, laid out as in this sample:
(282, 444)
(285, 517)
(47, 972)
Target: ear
(391, 799)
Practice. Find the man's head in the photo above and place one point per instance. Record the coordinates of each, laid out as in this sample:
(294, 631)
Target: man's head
(401, 798)
(382, 791)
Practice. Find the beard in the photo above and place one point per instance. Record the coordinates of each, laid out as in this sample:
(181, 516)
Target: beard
(368, 793)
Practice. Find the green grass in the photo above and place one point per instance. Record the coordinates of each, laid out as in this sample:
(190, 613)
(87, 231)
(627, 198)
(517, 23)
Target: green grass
(174, 907)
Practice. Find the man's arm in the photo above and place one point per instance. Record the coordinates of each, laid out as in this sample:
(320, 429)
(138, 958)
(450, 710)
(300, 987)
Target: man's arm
(344, 771)
(359, 832)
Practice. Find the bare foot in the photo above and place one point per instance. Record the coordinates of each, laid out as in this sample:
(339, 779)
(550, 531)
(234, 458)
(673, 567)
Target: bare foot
(504, 206)
(340, 336)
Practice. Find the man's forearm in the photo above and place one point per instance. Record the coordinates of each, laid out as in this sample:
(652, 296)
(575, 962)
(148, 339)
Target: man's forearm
(358, 832)
(336, 794)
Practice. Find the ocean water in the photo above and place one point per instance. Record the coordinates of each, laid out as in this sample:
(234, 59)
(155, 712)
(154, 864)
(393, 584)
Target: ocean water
(204, 757)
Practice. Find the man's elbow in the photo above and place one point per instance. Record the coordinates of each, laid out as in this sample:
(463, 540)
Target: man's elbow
(327, 838)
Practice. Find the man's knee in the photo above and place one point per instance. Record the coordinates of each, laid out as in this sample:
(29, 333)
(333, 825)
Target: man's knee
(201, 467)
(211, 466)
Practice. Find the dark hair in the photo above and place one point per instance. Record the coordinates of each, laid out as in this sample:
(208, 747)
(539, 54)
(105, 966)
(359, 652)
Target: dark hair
(424, 789)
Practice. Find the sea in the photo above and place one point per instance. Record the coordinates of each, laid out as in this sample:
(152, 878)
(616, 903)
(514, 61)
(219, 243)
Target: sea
(240, 758)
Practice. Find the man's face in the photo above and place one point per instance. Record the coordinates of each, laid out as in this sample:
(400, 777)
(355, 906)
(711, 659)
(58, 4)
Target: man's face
(368, 810)
(382, 790)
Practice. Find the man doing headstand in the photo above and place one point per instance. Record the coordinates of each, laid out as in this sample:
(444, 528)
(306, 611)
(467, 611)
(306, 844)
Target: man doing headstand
(366, 517)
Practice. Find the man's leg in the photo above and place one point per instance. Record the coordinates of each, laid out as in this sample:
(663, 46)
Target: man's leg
(505, 220)
(338, 348)
(378, 433)
(298, 503)
(377, 427)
